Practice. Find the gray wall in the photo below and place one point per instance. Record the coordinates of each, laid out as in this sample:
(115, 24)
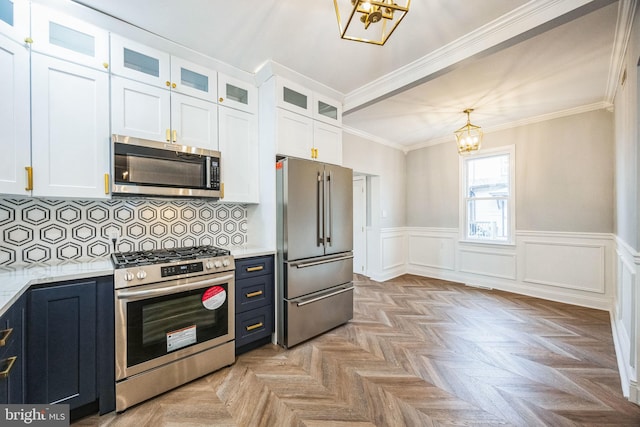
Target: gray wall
(370, 158)
(564, 176)
(627, 152)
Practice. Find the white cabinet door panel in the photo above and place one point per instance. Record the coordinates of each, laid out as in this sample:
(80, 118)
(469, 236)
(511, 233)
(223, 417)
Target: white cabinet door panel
(140, 110)
(139, 62)
(240, 155)
(70, 113)
(69, 38)
(294, 134)
(14, 119)
(193, 79)
(194, 121)
(237, 94)
(327, 140)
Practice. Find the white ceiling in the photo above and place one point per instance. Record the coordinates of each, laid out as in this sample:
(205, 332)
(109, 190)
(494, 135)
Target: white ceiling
(512, 60)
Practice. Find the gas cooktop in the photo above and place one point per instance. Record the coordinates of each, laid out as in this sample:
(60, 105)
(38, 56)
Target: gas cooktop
(159, 256)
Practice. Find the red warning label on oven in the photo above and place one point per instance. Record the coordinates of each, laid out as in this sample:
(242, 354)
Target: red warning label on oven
(214, 297)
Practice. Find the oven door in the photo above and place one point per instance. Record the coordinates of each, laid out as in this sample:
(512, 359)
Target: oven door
(159, 323)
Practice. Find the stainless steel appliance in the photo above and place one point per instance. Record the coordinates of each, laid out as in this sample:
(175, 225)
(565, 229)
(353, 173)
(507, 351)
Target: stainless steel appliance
(315, 241)
(142, 167)
(174, 319)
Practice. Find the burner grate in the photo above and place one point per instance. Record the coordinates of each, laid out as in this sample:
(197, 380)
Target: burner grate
(139, 258)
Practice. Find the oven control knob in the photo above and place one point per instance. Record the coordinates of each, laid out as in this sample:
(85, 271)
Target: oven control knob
(226, 263)
(209, 265)
(128, 276)
(217, 264)
(141, 274)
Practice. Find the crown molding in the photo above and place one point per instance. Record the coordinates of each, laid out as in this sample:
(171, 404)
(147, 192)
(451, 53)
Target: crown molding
(518, 123)
(626, 11)
(374, 138)
(507, 27)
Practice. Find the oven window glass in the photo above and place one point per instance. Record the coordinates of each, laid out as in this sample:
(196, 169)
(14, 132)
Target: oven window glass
(160, 325)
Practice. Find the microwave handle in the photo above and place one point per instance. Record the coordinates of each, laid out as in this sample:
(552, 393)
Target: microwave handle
(173, 289)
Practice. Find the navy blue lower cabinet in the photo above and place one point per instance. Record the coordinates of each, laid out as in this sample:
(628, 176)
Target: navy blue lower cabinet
(12, 354)
(70, 345)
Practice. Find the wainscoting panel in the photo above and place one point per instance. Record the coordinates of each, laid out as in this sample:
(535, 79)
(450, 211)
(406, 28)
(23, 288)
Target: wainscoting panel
(394, 253)
(625, 319)
(565, 265)
(488, 262)
(434, 251)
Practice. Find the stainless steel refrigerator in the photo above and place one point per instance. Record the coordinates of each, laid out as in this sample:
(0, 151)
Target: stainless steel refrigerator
(315, 243)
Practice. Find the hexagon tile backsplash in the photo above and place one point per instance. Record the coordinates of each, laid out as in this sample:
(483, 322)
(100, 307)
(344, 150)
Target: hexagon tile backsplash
(51, 231)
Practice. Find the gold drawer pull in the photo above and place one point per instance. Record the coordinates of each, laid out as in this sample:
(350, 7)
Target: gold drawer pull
(252, 269)
(10, 361)
(253, 294)
(256, 326)
(5, 336)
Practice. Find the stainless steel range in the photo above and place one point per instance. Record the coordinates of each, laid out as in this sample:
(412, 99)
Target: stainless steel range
(174, 319)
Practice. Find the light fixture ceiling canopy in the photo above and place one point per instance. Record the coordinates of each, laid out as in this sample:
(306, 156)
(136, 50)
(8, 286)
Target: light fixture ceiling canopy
(469, 136)
(369, 21)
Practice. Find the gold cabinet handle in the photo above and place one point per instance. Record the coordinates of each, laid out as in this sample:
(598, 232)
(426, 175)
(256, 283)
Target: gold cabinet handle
(173, 85)
(9, 361)
(256, 268)
(221, 99)
(253, 294)
(105, 65)
(316, 152)
(29, 170)
(6, 333)
(256, 326)
(168, 83)
(168, 135)
(28, 40)
(175, 136)
(106, 183)
(222, 190)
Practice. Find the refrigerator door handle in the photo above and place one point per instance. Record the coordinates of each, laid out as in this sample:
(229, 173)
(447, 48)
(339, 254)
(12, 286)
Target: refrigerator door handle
(301, 302)
(330, 209)
(326, 261)
(324, 209)
(320, 210)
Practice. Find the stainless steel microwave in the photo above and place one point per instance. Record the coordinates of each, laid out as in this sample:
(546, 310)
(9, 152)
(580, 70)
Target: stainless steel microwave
(151, 168)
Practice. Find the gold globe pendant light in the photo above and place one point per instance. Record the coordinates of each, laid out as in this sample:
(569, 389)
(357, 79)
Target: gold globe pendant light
(468, 137)
(378, 19)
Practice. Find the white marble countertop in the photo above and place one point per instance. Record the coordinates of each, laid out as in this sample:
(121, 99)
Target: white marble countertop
(14, 281)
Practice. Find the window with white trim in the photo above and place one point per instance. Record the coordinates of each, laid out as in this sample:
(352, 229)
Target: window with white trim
(488, 200)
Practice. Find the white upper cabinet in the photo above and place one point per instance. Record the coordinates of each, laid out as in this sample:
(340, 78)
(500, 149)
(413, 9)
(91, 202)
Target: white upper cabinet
(294, 97)
(194, 122)
(14, 19)
(69, 38)
(327, 142)
(193, 80)
(139, 62)
(70, 140)
(240, 155)
(14, 119)
(327, 110)
(294, 134)
(140, 110)
(237, 94)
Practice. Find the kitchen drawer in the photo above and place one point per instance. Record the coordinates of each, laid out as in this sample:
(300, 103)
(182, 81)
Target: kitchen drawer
(253, 293)
(253, 325)
(252, 267)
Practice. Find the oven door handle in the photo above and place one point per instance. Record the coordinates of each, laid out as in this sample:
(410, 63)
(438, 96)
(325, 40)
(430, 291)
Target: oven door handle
(168, 290)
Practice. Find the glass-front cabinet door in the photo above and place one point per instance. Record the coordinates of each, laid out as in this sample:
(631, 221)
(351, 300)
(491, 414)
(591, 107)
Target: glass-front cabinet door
(139, 62)
(193, 80)
(293, 97)
(237, 94)
(327, 110)
(69, 38)
(14, 19)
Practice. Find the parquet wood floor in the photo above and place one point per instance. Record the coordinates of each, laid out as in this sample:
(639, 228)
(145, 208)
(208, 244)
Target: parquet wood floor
(419, 352)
